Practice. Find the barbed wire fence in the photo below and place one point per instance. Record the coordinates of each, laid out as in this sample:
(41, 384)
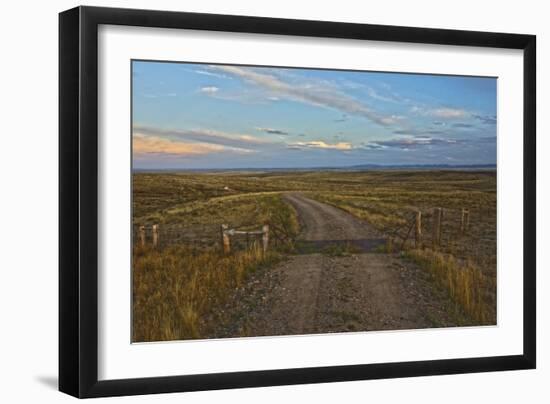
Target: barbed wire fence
(225, 237)
(433, 228)
(417, 228)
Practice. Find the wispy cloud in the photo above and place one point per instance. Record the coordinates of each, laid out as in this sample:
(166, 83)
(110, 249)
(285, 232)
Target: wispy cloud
(462, 125)
(486, 119)
(408, 142)
(383, 91)
(448, 113)
(443, 112)
(350, 84)
(209, 89)
(272, 131)
(213, 74)
(418, 132)
(318, 94)
(386, 97)
(404, 132)
(319, 144)
(147, 145)
(231, 141)
(244, 96)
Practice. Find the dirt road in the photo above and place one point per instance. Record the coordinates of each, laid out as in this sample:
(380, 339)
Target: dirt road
(335, 284)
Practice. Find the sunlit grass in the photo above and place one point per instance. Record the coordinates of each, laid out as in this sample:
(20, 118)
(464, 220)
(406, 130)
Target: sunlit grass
(174, 287)
(465, 283)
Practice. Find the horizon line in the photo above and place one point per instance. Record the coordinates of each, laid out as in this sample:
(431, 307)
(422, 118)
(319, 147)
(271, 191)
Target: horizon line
(353, 167)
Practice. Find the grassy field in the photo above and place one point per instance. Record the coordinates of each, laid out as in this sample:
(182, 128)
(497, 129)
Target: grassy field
(188, 276)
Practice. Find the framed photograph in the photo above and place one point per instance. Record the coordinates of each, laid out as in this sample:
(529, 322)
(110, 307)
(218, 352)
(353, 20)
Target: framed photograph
(251, 201)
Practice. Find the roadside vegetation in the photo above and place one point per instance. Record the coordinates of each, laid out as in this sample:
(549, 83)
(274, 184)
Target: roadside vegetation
(174, 287)
(465, 283)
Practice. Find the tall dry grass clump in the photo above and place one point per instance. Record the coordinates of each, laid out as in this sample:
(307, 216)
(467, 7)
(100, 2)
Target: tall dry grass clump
(466, 284)
(175, 286)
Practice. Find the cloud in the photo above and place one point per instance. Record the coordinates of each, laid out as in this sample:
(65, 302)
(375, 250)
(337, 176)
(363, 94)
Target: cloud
(312, 93)
(443, 112)
(387, 97)
(209, 89)
(245, 96)
(486, 119)
(319, 144)
(353, 85)
(417, 132)
(407, 142)
(448, 113)
(146, 145)
(372, 146)
(273, 131)
(462, 125)
(404, 132)
(212, 74)
(231, 141)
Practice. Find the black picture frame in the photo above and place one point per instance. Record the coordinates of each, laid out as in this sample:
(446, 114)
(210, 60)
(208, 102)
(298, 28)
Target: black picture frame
(78, 201)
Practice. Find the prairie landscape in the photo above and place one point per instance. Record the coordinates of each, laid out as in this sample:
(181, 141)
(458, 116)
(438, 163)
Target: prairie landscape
(341, 254)
(273, 201)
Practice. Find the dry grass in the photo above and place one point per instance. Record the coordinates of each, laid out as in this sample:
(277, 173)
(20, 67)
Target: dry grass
(465, 283)
(174, 287)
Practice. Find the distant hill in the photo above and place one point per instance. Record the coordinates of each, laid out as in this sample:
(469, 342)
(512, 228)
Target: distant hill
(359, 167)
(422, 166)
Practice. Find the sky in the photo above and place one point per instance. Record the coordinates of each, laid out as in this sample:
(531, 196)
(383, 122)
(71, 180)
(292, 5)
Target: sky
(200, 116)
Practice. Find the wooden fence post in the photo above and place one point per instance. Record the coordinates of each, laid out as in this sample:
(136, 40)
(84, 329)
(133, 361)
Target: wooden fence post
(436, 236)
(155, 235)
(418, 230)
(464, 221)
(389, 245)
(265, 237)
(226, 246)
(142, 235)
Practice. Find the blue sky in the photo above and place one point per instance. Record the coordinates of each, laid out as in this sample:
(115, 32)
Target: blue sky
(189, 116)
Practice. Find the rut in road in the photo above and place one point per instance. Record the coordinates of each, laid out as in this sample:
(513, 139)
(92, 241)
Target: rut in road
(320, 293)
